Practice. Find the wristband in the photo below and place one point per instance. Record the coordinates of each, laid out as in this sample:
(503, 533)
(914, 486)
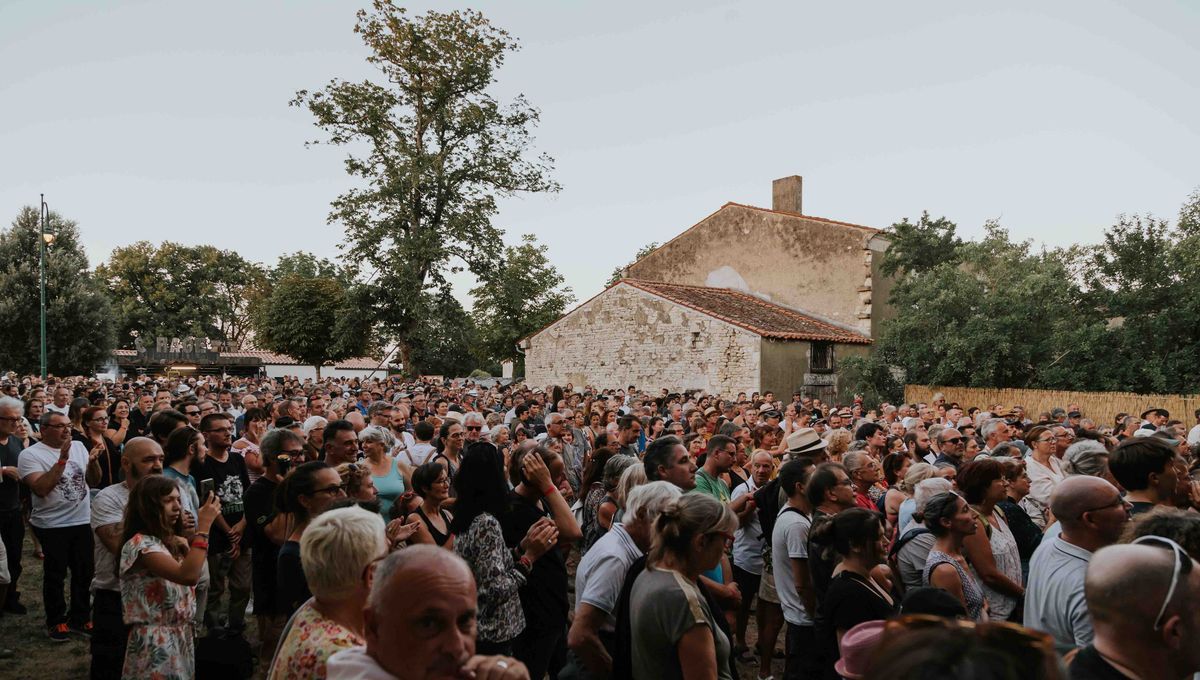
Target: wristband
(60, 462)
(550, 491)
(201, 545)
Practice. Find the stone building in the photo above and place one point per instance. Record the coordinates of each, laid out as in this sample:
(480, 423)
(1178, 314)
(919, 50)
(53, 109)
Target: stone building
(748, 299)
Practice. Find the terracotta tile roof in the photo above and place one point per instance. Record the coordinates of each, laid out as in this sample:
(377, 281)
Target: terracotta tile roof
(752, 313)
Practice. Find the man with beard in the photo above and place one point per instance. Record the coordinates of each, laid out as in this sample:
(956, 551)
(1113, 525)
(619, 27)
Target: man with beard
(141, 456)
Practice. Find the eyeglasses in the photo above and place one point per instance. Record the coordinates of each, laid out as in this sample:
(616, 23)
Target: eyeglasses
(1051, 438)
(332, 490)
(225, 430)
(192, 413)
(1183, 565)
(1119, 501)
(955, 440)
(474, 428)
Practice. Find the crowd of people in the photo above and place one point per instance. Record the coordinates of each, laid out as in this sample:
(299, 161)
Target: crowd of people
(385, 528)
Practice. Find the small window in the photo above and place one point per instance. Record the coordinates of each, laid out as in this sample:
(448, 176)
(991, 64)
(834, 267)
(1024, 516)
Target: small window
(821, 357)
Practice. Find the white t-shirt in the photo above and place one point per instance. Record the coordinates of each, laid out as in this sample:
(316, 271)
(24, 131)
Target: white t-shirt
(417, 454)
(748, 540)
(67, 503)
(51, 407)
(789, 541)
(1193, 437)
(601, 573)
(108, 507)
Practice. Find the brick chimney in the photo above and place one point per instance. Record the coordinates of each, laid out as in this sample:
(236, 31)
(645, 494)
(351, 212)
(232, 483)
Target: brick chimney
(786, 194)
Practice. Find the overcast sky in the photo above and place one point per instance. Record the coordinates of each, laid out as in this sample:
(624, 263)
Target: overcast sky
(169, 120)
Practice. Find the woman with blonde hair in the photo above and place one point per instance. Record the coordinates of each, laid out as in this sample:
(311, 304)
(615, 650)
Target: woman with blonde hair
(839, 443)
(668, 612)
(633, 476)
(390, 476)
(337, 551)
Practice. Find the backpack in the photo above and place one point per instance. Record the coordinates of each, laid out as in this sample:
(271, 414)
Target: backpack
(894, 552)
(766, 502)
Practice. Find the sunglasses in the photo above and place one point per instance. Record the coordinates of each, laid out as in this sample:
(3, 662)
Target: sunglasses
(955, 440)
(1183, 565)
(474, 428)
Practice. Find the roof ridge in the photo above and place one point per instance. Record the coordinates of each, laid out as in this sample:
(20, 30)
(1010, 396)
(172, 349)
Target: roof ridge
(803, 215)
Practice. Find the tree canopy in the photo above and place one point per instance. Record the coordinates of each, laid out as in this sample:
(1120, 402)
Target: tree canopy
(433, 150)
(1121, 315)
(79, 327)
(520, 295)
(176, 290)
(642, 252)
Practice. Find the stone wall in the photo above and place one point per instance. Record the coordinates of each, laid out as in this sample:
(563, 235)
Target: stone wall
(626, 336)
(807, 264)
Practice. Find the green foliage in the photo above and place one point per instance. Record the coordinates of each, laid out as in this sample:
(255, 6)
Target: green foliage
(1122, 315)
(642, 252)
(175, 290)
(312, 319)
(433, 149)
(449, 343)
(79, 326)
(921, 246)
(520, 295)
(477, 373)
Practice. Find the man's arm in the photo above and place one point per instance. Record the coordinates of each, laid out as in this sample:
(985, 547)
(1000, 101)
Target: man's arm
(42, 483)
(584, 639)
(110, 537)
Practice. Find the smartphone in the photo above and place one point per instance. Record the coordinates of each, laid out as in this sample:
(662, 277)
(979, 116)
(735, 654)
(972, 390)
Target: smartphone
(206, 487)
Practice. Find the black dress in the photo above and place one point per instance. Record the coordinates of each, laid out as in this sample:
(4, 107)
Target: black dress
(438, 537)
(849, 601)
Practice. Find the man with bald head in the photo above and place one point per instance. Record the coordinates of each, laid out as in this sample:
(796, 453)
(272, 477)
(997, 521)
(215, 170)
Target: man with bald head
(419, 624)
(1144, 601)
(1092, 514)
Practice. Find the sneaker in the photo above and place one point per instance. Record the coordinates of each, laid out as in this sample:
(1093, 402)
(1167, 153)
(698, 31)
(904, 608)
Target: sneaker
(85, 630)
(15, 608)
(59, 633)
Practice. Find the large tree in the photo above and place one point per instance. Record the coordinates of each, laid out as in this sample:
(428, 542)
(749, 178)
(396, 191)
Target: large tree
(433, 149)
(312, 319)
(449, 344)
(993, 312)
(176, 290)
(520, 295)
(79, 329)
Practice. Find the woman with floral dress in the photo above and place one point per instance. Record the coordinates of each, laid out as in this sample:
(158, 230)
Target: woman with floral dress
(159, 570)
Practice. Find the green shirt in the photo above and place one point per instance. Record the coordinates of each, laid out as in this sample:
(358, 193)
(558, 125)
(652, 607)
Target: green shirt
(713, 486)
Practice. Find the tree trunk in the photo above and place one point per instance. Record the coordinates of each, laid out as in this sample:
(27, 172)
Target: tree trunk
(318, 367)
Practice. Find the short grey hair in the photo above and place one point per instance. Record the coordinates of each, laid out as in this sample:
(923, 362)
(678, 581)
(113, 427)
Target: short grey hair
(917, 473)
(1085, 457)
(403, 558)
(378, 407)
(615, 467)
(855, 460)
(337, 546)
(46, 416)
(374, 433)
(928, 489)
(935, 432)
(633, 477)
(14, 404)
(313, 422)
(989, 427)
(552, 418)
(646, 502)
(474, 417)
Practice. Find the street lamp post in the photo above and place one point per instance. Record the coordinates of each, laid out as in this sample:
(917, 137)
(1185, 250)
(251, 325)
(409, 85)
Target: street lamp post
(44, 240)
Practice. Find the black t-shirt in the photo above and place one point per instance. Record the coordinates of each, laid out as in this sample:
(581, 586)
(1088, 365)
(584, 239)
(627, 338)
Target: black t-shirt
(1139, 507)
(260, 510)
(1089, 665)
(230, 481)
(544, 595)
(110, 461)
(139, 424)
(292, 588)
(820, 563)
(10, 489)
(848, 602)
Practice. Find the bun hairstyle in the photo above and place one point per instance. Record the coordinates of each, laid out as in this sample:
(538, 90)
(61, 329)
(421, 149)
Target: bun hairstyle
(683, 519)
(940, 507)
(852, 528)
